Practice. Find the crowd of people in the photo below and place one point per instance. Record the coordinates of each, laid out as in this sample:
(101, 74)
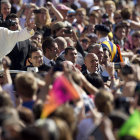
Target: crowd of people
(70, 69)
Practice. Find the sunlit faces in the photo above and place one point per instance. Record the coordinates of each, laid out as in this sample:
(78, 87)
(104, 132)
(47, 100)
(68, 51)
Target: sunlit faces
(54, 51)
(5, 9)
(92, 62)
(71, 56)
(99, 52)
(120, 33)
(106, 56)
(37, 37)
(36, 58)
(80, 15)
(16, 25)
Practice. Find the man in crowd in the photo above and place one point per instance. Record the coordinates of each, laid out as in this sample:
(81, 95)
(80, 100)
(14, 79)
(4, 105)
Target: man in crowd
(50, 51)
(20, 52)
(8, 39)
(71, 54)
(36, 61)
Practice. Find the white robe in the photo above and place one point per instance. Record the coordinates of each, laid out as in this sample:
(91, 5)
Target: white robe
(8, 39)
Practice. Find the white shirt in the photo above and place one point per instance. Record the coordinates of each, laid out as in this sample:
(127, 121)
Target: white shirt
(103, 39)
(8, 39)
(47, 61)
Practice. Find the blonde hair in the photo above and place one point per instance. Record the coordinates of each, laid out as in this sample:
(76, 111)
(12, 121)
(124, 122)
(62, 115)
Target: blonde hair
(103, 101)
(109, 2)
(48, 18)
(81, 10)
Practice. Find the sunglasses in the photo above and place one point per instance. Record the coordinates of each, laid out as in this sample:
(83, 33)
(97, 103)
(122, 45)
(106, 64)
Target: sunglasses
(85, 41)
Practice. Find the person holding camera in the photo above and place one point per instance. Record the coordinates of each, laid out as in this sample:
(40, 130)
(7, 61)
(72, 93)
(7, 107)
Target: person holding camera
(19, 53)
(8, 38)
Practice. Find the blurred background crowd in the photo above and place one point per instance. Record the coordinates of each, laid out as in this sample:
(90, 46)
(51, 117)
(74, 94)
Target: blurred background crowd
(77, 77)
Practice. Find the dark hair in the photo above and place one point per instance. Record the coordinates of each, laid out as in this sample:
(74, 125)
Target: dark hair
(95, 80)
(119, 25)
(26, 115)
(126, 13)
(10, 16)
(38, 33)
(33, 133)
(47, 44)
(69, 48)
(33, 49)
(106, 49)
(126, 70)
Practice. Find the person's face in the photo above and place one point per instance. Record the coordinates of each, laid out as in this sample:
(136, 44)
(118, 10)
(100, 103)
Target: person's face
(92, 63)
(85, 44)
(94, 20)
(70, 17)
(106, 57)
(110, 8)
(42, 17)
(37, 37)
(136, 40)
(71, 56)
(120, 33)
(80, 16)
(99, 52)
(5, 9)
(16, 26)
(117, 18)
(54, 51)
(37, 58)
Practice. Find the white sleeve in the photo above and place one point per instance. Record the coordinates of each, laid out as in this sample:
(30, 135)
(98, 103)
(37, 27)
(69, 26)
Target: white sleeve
(17, 36)
(8, 39)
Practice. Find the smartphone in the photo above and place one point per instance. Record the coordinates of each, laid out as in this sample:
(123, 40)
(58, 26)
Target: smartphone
(117, 66)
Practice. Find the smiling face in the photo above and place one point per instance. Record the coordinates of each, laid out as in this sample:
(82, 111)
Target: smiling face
(99, 52)
(5, 9)
(110, 8)
(91, 62)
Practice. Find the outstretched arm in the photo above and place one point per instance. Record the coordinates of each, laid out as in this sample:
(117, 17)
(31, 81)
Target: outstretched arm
(8, 38)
